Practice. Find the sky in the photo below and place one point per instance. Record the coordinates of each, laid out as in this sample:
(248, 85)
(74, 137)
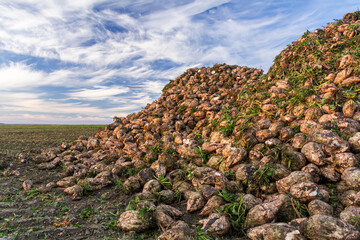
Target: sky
(86, 61)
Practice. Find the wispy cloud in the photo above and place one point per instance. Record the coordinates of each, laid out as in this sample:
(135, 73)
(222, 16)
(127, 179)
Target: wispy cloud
(98, 93)
(26, 103)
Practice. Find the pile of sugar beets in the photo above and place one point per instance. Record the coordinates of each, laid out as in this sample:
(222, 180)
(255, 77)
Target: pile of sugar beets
(251, 155)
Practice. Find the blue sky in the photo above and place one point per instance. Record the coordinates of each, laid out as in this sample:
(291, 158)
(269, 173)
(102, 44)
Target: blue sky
(85, 61)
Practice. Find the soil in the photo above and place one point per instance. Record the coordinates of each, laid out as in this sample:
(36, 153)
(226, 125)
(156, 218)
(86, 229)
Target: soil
(53, 215)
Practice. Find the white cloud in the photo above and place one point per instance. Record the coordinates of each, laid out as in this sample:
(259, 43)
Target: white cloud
(81, 76)
(99, 93)
(153, 86)
(18, 76)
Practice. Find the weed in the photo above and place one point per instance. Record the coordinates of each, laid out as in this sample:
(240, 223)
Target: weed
(189, 175)
(119, 185)
(219, 162)
(357, 14)
(305, 43)
(92, 173)
(287, 157)
(204, 155)
(182, 109)
(62, 211)
(350, 94)
(111, 225)
(146, 213)
(243, 94)
(170, 151)
(14, 235)
(300, 208)
(300, 95)
(32, 193)
(237, 213)
(86, 213)
(178, 195)
(51, 197)
(306, 33)
(132, 205)
(230, 174)
(334, 199)
(36, 214)
(338, 21)
(346, 138)
(275, 152)
(264, 176)
(355, 220)
(244, 125)
(155, 149)
(335, 128)
(168, 86)
(255, 108)
(198, 137)
(4, 234)
(229, 128)
(202, 235)
(87, 189)
(142, 236)
(353, 27)
(132, 171)
(164, 181)
(296, 129)
(214, 123)
(228, 197)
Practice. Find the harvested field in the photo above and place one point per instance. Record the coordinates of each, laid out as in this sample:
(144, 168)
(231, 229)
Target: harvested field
(32, 139)
(50, 215)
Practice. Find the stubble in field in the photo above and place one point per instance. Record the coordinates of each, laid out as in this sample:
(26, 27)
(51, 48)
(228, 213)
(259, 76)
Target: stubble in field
(32, 139)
